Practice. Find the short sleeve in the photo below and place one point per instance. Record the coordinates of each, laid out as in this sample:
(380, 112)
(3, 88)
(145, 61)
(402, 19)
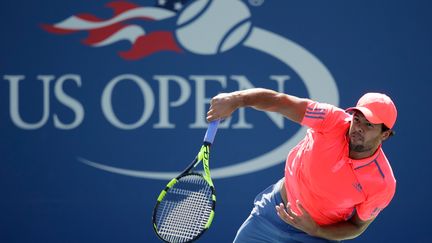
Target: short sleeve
(374, 204)
(323, 117)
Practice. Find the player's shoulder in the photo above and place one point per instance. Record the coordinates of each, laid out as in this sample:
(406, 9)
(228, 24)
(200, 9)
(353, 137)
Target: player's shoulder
(386, 171)
(321, 110)
(376, 174)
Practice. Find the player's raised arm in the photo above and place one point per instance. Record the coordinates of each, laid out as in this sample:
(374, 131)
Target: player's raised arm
(223, 105)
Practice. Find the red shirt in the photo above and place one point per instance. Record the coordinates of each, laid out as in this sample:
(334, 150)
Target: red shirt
(330, 185)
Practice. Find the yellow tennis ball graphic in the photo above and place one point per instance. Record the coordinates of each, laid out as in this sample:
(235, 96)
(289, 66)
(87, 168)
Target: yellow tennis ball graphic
(208, 27)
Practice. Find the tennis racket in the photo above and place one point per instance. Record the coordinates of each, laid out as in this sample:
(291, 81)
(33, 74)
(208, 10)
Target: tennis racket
(185, 208)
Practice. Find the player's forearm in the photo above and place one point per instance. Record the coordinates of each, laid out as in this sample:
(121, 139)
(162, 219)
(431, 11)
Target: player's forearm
(340, 231)
(258, 98)
(223, 105)
(269, 100)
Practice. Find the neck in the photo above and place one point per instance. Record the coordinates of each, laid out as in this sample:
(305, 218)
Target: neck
(362, 154)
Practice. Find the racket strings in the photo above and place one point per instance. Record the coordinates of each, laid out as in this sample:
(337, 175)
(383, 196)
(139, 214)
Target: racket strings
(183, 213)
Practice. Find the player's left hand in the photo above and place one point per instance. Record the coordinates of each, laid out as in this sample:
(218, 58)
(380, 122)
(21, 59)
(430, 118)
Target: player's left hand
(303, 221)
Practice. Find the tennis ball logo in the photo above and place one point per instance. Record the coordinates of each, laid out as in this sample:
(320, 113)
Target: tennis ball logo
(208, 27)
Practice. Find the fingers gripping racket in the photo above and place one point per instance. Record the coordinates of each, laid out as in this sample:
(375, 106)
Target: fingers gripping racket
(185, 208)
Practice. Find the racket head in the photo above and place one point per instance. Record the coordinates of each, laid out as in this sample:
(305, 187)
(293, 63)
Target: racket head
(185, 209)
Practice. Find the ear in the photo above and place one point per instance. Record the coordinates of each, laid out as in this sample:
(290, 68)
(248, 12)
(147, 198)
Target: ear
(385, 135)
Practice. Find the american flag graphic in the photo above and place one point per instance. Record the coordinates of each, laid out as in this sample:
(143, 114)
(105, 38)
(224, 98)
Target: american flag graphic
(124, 26)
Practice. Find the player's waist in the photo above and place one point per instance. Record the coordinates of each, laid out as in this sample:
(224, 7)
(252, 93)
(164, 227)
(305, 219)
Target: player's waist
(321, 214)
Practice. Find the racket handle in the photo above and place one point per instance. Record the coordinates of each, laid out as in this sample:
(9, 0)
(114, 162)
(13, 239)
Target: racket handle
(211, 131)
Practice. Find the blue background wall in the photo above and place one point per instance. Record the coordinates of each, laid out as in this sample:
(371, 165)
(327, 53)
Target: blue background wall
(48, 195)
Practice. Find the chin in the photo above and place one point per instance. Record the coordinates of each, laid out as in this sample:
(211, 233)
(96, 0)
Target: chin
(357, 147)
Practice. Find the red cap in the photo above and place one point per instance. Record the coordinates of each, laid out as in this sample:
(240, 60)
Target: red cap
(377, 108)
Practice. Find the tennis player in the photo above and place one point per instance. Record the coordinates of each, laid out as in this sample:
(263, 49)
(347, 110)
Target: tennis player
(337, 179)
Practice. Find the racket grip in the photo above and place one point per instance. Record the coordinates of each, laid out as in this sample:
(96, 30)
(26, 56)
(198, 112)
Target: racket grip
(211, 131)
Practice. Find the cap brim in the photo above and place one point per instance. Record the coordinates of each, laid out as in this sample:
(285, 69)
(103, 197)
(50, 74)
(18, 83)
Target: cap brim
(368, 114)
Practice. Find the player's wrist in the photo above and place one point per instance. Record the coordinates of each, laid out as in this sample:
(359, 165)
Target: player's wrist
(317, 232)
(238, 99)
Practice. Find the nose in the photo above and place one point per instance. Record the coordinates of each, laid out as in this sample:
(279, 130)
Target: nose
(358, 128)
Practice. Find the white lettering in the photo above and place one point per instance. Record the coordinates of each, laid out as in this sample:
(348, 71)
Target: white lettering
(166, 97)
(148, 98)
(14, 101)
(201, 100)
(68, 101)
(164, 104)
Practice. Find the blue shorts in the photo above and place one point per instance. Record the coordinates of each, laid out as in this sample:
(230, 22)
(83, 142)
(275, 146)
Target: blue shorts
(264, 225)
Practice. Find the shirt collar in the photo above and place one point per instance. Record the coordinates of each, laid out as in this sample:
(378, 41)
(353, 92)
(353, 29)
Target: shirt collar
(363, 162)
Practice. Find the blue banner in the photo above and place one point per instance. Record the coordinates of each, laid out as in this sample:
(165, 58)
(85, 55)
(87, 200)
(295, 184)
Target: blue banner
(103, 102)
